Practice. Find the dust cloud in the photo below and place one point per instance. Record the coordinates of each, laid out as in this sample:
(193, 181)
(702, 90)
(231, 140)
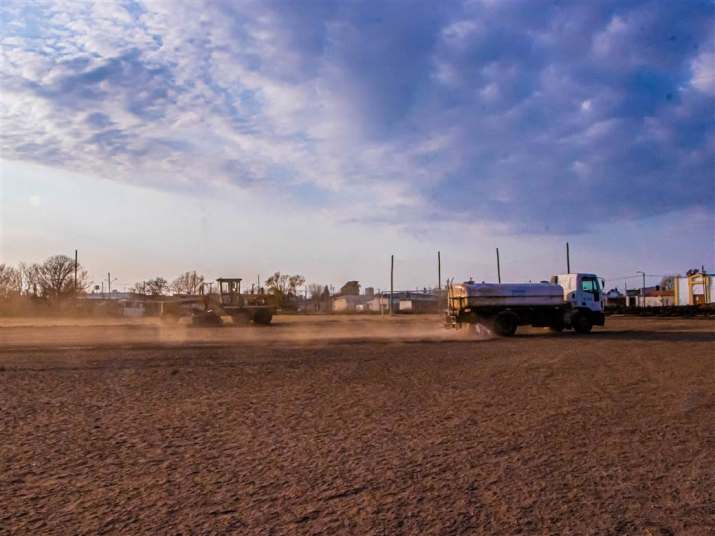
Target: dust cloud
(285, 329)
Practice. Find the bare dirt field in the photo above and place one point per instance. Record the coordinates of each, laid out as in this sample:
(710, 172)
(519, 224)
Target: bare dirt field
(355, 425)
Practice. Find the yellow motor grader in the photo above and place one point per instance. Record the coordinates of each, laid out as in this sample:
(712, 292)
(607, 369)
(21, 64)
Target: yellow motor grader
(208, 309)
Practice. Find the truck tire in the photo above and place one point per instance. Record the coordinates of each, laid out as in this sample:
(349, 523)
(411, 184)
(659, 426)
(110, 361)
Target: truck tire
(505, 323)
(557, 324)
(581, 323)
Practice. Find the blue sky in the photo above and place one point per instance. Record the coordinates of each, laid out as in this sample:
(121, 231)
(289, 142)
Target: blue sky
(246, 137)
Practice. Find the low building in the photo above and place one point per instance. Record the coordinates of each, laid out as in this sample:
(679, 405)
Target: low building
(349, 303)
(127, 304)
(378, 304)
(418, 305)
(407, 301)
(654, 297)
(657, 297)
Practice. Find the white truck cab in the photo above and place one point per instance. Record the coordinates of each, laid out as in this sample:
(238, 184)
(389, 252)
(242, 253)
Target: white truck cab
(582, 290)
(584, 294)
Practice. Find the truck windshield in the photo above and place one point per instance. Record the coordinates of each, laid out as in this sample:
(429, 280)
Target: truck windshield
(590, 284)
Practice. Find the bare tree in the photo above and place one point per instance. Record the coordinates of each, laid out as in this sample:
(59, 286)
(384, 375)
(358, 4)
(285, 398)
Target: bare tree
(10, 281)
(277, 284)
(188, 283)
(138, 288)
(30, 278)
(54, 278)
(294, 282)
(156, 286)
(151, 287)
(315, 291)
(284, 286)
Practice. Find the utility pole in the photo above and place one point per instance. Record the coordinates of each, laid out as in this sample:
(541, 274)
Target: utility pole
(568, 259)
(642, 289)
(498, 267)
(109, 283)
(75, 272)
(439, 271)
(392, 279)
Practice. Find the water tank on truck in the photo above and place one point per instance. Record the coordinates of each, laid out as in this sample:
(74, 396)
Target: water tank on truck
(570, 301)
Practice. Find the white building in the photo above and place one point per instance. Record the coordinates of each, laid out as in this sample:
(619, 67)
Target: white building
(349, 303)
(694, 289)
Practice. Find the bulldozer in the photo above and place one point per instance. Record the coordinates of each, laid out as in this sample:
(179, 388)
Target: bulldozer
(208, 309)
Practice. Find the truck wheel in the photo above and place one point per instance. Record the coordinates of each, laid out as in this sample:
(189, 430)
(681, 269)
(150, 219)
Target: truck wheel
(505, 323)
(581, 323)
(557, 326)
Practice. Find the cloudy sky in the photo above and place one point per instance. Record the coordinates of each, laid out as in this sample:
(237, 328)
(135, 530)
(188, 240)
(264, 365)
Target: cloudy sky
(241, 137)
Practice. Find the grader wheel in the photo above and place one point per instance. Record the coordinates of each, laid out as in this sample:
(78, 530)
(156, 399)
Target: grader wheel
(262, 316)
(242, 318)
(206, 318)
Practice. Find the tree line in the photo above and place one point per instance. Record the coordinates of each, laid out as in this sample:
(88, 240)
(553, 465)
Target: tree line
(283, 286)
(55, 278)
(58, 277)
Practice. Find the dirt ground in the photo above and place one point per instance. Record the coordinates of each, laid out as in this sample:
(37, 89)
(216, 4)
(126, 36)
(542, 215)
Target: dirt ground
(342, 425)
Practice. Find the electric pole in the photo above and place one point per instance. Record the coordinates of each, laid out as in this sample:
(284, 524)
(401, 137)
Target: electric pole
(439, 271)
(568, 259)
(75, 272)
(642, 289)
(392, 279)
(498, 267)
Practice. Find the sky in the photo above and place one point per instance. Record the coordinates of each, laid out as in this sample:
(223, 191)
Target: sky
(239, 138)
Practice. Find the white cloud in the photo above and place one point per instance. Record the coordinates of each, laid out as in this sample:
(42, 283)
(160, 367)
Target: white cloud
(460, 30)
(703, 69)
(612, 38)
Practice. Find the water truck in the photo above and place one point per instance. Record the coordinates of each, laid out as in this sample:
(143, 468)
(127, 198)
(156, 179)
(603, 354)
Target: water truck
(568, 301)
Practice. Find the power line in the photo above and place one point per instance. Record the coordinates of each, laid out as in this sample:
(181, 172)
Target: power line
(636, 276)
